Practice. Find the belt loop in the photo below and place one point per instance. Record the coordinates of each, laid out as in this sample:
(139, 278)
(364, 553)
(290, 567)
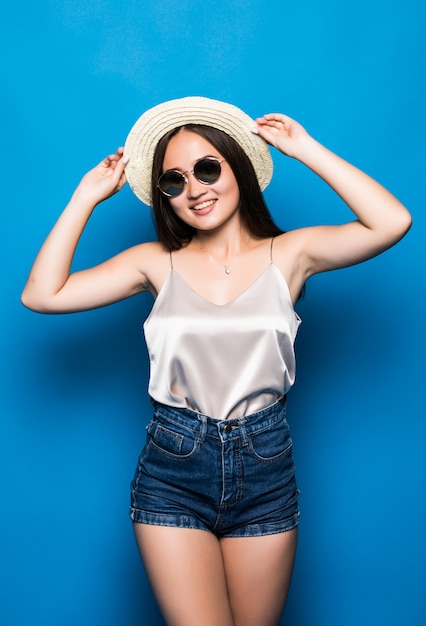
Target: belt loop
(243, 431)
(203, 428)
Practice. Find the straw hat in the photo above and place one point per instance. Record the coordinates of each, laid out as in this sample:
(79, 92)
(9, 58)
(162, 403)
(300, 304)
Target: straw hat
(156, 122)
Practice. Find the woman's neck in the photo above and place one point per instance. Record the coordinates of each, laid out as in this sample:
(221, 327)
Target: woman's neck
(223, 242)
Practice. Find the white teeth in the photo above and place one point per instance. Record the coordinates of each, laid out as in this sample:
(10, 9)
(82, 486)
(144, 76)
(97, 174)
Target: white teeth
(203, 205)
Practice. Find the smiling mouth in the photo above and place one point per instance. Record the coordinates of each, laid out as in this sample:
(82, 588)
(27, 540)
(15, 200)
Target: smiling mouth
(203, 205)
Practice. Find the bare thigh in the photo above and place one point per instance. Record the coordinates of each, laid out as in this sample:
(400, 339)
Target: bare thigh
(258, 572)
(186, 572)
(198, 579)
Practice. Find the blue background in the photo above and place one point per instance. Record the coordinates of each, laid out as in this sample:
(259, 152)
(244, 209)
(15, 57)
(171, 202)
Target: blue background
(75, 76)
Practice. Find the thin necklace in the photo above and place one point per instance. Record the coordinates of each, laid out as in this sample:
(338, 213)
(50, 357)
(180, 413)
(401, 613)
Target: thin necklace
(227, 268)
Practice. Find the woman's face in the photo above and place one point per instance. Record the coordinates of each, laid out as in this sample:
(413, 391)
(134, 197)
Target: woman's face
(202, 206)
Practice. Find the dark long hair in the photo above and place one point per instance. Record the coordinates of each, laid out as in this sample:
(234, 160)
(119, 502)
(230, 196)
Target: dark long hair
(172, 232)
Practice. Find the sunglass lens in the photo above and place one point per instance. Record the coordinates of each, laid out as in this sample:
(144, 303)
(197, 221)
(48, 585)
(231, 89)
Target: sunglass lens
(171, 183)
(207, 171)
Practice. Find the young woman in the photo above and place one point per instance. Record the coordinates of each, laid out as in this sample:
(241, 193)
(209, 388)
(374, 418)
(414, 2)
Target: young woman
(214, 497)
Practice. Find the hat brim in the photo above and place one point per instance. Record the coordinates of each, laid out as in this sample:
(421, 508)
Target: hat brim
(144, 136)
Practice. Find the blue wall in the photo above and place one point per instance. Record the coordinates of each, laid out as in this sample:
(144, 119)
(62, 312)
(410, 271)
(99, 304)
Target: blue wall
(75, 76)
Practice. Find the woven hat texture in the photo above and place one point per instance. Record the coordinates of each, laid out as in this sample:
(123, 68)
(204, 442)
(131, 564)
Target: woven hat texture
(144, 136)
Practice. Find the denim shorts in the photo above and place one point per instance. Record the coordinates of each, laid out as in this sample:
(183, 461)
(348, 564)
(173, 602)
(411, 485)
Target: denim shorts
(234, 478)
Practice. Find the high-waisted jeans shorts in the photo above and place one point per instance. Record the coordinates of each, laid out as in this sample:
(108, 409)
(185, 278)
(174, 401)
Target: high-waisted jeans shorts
(234, 478)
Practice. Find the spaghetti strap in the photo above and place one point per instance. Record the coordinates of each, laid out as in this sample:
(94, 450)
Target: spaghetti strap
(171, 261)
(272, 243)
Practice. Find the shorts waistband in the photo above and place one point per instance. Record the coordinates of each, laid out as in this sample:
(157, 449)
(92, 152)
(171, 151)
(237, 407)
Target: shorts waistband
(205, 425)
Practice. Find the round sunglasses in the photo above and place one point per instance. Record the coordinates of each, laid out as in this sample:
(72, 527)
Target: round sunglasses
(206, 170)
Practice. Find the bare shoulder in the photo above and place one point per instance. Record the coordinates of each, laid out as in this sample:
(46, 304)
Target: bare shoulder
(293, 247)
(288, 247)
(153, 261)
(146, 254)
(289, 256)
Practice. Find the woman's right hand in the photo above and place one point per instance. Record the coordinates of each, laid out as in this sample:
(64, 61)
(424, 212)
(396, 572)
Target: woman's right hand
(104, 180)
(51, 287)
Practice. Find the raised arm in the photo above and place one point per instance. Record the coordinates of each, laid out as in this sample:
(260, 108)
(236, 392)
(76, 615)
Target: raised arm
(50, 287)
(381, 219)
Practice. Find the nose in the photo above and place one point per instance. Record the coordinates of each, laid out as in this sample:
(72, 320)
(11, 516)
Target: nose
(195, 188)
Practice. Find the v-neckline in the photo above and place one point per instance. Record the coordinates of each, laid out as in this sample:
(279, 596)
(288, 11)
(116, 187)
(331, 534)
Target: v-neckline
(174, 272)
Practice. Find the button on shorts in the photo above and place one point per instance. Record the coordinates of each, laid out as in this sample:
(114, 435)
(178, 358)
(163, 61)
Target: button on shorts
(234, 478)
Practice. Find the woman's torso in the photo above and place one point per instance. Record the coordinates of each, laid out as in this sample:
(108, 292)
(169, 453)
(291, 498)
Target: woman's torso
(223, 360)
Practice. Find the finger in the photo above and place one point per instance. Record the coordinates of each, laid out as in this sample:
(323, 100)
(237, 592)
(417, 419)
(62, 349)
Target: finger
(274, 120)
(114, 164)
(267, 133)
(274, 116)
(113, 158)
(119, 174)
(108, 161)
(118, 154)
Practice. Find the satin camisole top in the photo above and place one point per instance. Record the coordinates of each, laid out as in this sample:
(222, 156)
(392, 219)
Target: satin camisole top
(224, 361)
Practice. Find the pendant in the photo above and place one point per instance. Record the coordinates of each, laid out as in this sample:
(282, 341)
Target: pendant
(227, 270)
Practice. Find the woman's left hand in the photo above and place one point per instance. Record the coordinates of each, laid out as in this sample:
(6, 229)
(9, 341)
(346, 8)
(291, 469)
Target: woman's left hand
(381, 219)
(282, 132)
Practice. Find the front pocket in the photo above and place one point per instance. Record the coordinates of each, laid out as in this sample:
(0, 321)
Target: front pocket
(168, 440)
(271, 443)
(172, 440)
